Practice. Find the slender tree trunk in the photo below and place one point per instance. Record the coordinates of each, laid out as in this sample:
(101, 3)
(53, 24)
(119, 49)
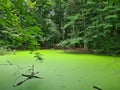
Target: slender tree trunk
(85, 47)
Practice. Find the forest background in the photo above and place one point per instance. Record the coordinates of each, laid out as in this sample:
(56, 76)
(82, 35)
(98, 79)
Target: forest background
(92, 25)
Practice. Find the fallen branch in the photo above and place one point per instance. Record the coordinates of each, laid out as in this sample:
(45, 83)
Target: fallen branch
(28, 77)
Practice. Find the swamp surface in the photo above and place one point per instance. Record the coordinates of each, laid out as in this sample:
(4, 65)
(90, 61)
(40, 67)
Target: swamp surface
(60, 71)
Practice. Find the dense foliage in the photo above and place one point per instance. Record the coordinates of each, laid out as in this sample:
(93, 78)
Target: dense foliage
(89, 24)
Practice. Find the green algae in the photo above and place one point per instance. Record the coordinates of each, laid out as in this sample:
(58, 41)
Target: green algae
(61, 71)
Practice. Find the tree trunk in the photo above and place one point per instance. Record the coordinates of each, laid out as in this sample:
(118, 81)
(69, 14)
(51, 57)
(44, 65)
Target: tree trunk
(85, 47)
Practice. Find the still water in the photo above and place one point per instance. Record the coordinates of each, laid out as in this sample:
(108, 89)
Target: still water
(60, 71)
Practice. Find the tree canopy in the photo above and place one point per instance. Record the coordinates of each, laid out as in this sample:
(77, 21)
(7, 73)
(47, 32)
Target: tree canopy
(87, 24)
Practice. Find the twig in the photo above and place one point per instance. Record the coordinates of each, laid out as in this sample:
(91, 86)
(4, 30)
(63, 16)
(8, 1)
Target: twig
(115, 61)
(96, 87)
(28, 77)
(8, 63)
(20, 83)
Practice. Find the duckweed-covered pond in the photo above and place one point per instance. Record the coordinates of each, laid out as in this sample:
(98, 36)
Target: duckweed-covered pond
(60, 71)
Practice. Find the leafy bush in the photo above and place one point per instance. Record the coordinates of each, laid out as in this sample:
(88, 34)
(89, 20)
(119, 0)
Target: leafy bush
(70, 43)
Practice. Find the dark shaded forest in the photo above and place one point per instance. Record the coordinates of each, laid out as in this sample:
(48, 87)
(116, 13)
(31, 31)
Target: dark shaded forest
(90, 25)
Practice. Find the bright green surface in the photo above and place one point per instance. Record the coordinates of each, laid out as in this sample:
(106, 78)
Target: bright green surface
(62, 71)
